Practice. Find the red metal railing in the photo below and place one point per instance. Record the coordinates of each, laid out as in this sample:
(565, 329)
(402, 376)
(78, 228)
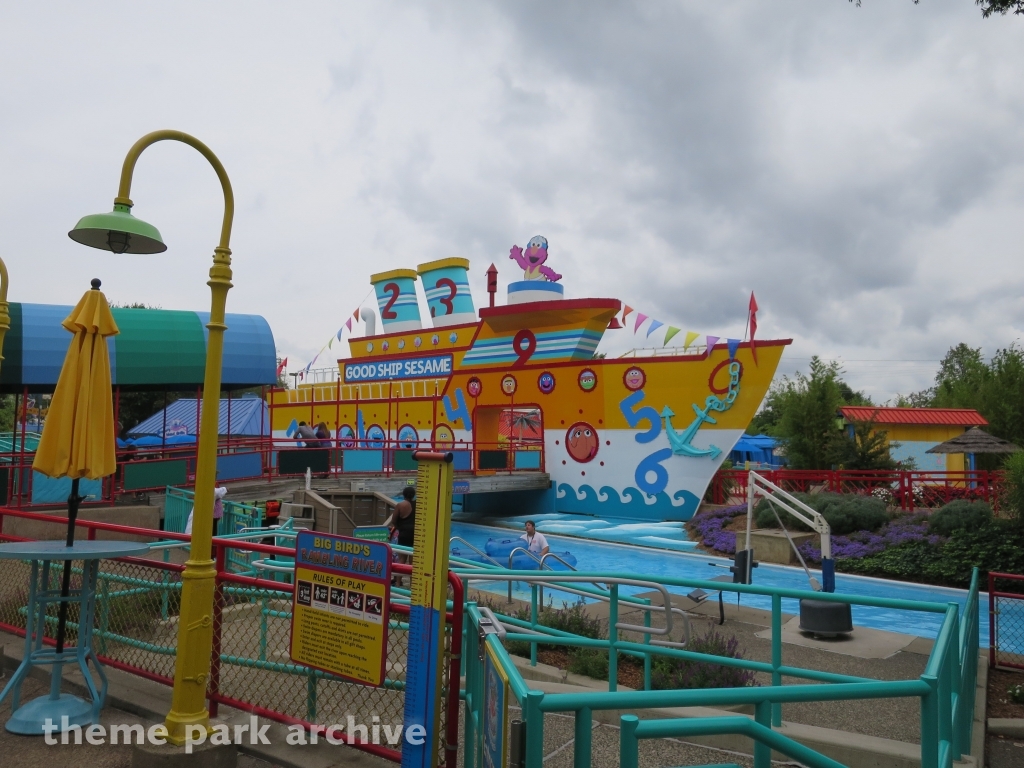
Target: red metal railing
(908, 490)
(1006, 620)
(256, 704)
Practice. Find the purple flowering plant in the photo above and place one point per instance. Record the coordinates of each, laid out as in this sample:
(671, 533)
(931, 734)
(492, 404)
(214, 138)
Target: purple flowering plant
(710, 526)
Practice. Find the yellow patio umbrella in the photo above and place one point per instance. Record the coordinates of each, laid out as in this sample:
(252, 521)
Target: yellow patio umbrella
(78, 436)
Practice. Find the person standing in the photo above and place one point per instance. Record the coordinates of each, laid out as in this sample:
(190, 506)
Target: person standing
(405, 516)
(535, 541)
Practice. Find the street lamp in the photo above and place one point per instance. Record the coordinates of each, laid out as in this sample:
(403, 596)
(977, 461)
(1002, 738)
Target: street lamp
(121, 232)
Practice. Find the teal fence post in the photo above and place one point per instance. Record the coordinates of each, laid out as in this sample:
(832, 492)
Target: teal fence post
(534, 729)
(762, 752)
(582, 745)
(776, 654)
(533, 623)
(930, 724)
(613, 636)
(471, 658)
(629, 752)
(647, 656)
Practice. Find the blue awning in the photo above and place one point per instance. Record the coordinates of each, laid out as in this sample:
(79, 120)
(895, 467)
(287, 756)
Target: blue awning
(249, 416)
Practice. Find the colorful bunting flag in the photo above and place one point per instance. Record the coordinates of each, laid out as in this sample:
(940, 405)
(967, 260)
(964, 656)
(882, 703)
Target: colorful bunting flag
(733, 345)
(691, 336)
(356, 314)
(626, 311)
(640, 317)
(712, 340)
(655, 324)
(342, 329)
(672, 331)
(348, 326)
(282, 366)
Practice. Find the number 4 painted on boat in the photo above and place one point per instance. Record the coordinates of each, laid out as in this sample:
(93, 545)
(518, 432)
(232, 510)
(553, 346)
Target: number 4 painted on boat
(647, 413)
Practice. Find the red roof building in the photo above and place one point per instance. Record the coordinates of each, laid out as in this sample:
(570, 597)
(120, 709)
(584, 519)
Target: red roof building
(912, 431)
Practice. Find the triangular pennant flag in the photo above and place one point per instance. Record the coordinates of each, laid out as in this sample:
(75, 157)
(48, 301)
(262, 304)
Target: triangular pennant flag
(640, 317)
(282, 366)
(348, 325)
(712, 340)
(753, 303)
(329, 343)
(655, 324)
(356, 314)
(341, 330)
(626, 311)
(733, 344)
(691, 336)
(672, 331)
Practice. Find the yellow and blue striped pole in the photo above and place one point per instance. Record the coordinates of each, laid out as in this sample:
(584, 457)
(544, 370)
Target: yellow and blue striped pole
(428, 601)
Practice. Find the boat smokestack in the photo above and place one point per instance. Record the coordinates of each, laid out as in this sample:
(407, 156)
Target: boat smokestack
(446, 284)
(370, 319)
(396, 300)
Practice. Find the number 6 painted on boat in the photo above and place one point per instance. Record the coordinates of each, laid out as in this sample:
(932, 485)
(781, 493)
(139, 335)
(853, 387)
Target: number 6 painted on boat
(635, 417)
(652, 463)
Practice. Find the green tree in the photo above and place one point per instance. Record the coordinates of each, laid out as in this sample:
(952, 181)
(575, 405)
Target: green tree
(988, 7)
(961, 377)
(867, 448)
(808, 426)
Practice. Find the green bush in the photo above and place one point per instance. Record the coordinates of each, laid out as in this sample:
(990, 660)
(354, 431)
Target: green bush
(569, 618)
(960, 515)
(669, 673)
(844, 513)
(996, 546)
(592, 662)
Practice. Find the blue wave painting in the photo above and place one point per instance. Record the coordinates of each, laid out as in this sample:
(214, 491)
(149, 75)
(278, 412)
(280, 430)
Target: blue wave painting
(633, 503)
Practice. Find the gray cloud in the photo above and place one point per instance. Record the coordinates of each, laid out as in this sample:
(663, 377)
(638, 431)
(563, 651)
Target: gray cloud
(858, 167)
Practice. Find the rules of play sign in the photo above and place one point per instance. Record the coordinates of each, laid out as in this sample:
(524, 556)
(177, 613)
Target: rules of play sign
(340, 605)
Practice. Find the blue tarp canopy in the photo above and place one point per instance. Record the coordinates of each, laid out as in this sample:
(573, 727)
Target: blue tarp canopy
(249, 417)
(756, 449)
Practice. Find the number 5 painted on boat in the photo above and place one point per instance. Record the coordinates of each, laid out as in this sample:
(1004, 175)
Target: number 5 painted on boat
(635, 417)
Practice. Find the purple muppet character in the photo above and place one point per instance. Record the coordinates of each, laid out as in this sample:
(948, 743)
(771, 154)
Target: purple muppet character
(533, 260)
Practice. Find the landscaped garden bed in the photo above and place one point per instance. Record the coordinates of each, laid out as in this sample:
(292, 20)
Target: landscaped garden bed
(939, 547)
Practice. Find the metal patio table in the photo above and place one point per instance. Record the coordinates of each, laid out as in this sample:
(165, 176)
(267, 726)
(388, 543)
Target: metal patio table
(31, 718)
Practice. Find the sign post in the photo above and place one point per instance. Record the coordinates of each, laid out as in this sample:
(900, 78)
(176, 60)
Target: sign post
(429, 598)
(340, 605)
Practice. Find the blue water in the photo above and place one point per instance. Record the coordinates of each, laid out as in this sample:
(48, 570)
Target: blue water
(651, 563)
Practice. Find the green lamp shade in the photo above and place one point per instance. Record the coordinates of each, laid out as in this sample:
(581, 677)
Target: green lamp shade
(118, 231)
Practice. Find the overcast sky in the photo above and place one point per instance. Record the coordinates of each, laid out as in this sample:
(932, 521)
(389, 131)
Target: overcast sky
(861, 169)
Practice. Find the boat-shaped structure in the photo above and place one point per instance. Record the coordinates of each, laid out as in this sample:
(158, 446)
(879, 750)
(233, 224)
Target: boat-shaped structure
(517, 388)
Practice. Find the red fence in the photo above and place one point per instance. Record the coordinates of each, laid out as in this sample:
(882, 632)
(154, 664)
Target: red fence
(906, 490)
(1006, 620)
(136, 632)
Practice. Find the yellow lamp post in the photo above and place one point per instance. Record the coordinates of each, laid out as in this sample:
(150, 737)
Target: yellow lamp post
(121, 232)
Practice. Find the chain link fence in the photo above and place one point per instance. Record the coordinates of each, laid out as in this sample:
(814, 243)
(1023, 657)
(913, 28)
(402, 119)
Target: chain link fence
(1006, 620)
(136, 630)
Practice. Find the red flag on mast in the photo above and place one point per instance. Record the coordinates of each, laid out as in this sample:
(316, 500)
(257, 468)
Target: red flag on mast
(752, 319)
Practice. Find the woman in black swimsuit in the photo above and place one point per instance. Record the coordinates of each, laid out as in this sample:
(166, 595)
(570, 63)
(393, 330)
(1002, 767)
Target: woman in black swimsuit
(405, 516)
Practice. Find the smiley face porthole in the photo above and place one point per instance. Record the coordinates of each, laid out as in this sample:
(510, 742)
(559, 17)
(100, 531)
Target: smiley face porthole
(508, 385)
(587, 380)
(546, 382)
(634, 378)
(582, 442)
(474, 387)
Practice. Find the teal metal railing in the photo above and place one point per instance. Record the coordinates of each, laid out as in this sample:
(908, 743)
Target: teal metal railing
(946, 688)
(237, 516)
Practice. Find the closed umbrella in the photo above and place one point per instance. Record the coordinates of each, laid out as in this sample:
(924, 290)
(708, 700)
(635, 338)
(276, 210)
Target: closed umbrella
(78, 436)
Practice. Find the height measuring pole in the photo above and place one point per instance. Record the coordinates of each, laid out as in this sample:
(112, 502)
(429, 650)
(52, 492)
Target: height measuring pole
(429, 600)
